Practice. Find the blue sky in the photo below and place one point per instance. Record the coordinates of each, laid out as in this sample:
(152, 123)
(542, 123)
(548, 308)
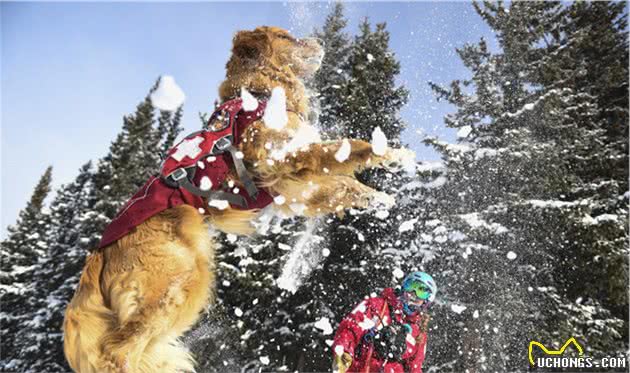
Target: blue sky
(70, 71)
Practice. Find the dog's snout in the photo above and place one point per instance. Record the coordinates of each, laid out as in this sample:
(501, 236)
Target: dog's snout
(321, 42)
(311, 42)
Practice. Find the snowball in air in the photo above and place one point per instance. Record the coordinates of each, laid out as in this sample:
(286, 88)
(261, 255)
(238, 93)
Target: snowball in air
(249, 102)
(275, 116)
(379, 141)
(324, 325)
(407, 225)
(511, 255)
(218, 203)
(457, 308)
(344, 151)
(168, 96)
(205, 183)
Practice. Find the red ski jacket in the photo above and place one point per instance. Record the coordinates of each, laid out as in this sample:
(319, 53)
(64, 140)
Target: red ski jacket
(194, 172)
(365, 317)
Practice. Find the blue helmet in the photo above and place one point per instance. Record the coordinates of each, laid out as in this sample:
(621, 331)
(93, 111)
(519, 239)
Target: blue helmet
(422, 285)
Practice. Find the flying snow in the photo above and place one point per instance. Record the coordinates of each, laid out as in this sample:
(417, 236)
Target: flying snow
(219, 203)
(249, 102)
(205, 183)
(382, 214)
(168, 96)
(324, 325)
(457, 308)
(344, 151)
(304, 136)
(301, 260)
(407, 225)
(398, 273)
(339, 350)
(275, 116)
(265, 360)
(379, 141)
(279, 200)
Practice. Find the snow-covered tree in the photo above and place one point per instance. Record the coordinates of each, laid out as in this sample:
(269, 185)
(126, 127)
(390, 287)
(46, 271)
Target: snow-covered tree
(372, 98)
(21, 252)
(40, 338)
(328, 85)
(538, 241)
(79, 213)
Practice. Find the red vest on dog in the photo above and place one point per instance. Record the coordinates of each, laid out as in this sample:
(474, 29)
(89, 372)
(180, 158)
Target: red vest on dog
(194, 170)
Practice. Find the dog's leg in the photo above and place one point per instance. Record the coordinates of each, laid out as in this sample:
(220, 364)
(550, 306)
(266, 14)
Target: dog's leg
(262, 147)
(124, 349)
(157, 281)
(315, 195)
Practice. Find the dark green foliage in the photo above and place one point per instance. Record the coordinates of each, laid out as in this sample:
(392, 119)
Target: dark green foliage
(330, 81)
(538, 174)
(372, 98)
(21, 252)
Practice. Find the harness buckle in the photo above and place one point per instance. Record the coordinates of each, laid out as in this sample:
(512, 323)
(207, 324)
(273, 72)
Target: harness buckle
(222, 144)
(178, 174)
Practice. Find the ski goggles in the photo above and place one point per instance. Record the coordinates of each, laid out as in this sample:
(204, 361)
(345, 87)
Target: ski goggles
(420, 290)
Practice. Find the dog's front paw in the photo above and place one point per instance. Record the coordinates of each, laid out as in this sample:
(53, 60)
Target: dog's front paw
(379, 200)
(396, 159)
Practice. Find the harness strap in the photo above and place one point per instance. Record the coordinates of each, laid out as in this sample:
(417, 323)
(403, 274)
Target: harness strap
(181, 177)
(234, 199)
(243, 174)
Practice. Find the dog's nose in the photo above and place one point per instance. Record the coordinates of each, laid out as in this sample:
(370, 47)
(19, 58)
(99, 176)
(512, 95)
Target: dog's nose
(311, 41)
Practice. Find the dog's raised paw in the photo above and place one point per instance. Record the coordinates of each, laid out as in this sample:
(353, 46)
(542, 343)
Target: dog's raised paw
(400, 159)
(380, 200)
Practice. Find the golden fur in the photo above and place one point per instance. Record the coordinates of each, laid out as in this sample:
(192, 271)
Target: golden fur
(138, 295)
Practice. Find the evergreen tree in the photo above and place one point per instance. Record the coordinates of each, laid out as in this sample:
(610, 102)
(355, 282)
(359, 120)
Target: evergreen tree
(57, 275)
(372, 98)
(79, 213)
(517, 196)
(329, 83)
(21, 252)
(133, 157)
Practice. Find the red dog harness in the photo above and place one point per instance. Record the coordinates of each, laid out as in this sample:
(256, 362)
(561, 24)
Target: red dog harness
(194, 173)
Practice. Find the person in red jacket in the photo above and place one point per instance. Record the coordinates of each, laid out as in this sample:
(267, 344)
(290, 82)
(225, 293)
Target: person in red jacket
(387, 333)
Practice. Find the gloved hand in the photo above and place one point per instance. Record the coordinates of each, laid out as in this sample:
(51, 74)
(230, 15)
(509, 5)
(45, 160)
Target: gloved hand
(342, 363)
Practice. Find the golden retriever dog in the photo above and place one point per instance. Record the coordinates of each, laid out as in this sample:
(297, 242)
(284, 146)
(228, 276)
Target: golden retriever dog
(137, 296)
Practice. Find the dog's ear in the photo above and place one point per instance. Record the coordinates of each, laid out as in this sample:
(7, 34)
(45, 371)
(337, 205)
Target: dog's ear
(251, 45)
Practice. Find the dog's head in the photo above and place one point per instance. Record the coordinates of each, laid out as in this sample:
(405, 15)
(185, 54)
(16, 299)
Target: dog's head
(275, 46)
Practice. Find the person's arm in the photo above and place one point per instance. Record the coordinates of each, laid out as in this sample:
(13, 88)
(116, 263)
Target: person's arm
(349, 334)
